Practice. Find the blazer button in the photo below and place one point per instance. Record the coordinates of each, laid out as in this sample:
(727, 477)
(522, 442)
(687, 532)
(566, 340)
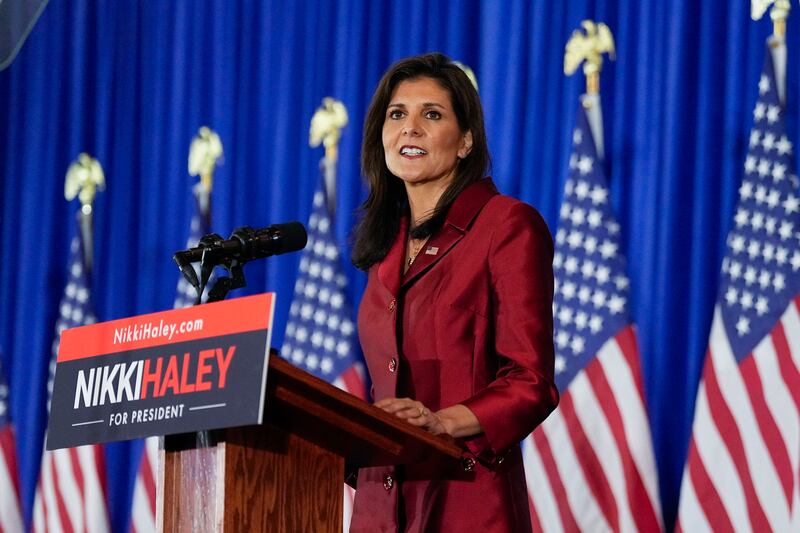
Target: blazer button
(468, 464)
(388, 482)
(392, 304)
(392, 365)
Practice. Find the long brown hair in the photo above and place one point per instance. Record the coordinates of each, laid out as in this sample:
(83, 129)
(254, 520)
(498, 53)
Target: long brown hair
(387, 201)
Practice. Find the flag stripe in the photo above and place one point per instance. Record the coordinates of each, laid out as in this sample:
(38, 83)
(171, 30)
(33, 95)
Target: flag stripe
(10, 512)
(782, 407)
(713, 506)
(766, 424)
(620, 361)
(143, 518)
(38, 514)
(94, 467)
(716, 468)
(74, 462)
(690, 510)
(637, 496)
(783, 397)
(8, 461)
(64, 517)
(542, 446)
(45, 500)
(724, 420)
(788, 364)
(353, 382)
(545, 503)
(589, 463)
(626, 340)
(591, 413)
(792, 321)
(148, 477)
(734, 410)
(67, 488)
(536, 525)
(787, 370)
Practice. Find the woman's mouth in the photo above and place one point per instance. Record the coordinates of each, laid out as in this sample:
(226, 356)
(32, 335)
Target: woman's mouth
(412, 151)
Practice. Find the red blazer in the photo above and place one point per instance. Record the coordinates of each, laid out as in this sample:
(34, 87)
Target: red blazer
(470, 323)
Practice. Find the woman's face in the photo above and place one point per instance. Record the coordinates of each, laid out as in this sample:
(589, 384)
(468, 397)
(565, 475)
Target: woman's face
(422, 141)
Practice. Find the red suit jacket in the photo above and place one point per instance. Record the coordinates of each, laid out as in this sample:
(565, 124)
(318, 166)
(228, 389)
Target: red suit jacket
(470, 323)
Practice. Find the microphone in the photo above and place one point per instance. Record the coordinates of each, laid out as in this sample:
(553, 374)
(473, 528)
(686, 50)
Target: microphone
(246, 244)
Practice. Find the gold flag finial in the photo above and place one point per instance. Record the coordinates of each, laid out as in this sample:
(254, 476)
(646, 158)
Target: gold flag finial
(204, 152)
(588, 48)
(326, 126)
(84, 178)
(779, 13)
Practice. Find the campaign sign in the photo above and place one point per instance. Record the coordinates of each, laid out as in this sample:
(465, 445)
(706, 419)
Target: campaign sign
(203, 367)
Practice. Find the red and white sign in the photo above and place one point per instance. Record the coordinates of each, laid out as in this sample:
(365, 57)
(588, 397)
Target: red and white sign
(203, 367)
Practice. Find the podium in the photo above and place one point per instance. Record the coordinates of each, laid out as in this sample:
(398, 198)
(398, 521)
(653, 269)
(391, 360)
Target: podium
(287, 474)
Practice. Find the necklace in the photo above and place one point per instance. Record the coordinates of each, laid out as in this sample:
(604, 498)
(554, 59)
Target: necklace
(415, 249)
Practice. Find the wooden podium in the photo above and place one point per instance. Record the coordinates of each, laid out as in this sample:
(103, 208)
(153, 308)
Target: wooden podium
(285, 475)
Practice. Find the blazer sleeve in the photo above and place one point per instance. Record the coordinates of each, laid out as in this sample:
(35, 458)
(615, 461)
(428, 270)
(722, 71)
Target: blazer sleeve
(523, 392)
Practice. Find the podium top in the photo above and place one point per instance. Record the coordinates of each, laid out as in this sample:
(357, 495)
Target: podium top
(358, 431)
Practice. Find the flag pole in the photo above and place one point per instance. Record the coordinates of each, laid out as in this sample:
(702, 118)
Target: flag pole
(84, 178)
(84, 467)
(779, 12)
(588, 47)
(326, 129)
(205, 153)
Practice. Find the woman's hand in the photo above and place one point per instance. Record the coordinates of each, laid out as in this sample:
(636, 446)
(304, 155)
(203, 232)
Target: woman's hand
(413, 412)
(456, 421)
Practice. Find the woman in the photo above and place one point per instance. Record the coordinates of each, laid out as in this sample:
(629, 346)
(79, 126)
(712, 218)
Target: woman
(456, 319)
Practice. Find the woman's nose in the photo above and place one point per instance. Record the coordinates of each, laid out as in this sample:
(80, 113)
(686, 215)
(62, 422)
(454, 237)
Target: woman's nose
(410, 128)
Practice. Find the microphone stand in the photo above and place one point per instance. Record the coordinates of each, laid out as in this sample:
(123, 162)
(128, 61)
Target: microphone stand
(235, 280)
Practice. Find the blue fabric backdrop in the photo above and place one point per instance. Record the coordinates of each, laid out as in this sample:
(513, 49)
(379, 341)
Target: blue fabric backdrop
(131, 81)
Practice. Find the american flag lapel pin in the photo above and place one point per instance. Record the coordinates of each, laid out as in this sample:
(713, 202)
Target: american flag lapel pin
(431, 250)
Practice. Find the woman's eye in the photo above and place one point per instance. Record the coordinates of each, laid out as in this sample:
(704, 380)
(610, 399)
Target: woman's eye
(395, 115)
(435, 115)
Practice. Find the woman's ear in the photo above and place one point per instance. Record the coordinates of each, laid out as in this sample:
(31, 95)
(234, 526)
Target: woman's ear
(466, 145)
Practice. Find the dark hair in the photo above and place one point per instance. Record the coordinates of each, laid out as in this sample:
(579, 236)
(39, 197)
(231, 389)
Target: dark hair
(387, 201)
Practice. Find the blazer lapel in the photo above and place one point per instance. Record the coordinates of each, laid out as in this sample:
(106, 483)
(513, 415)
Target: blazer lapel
(391, 268)
(461, 214)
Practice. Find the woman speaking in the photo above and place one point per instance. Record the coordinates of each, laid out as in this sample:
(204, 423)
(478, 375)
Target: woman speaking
(456, 319)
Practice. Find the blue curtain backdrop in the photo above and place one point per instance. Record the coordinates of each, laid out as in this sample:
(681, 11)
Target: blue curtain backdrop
(130, 81)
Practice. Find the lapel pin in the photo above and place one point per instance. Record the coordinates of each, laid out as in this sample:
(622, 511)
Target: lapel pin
(432, 250)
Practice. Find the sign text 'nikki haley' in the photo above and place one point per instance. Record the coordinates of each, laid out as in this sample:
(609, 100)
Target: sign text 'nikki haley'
(203, 367)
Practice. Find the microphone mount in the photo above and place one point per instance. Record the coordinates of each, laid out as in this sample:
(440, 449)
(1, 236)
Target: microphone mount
(245, 244)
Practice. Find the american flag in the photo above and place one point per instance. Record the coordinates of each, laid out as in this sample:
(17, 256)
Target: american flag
(10, 510)
(742, 469)
(143, 514)
(320, 333)
(590, 465)
(71, 492)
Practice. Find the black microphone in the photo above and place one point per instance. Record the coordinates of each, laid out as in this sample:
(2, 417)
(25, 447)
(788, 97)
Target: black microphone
(247, 244)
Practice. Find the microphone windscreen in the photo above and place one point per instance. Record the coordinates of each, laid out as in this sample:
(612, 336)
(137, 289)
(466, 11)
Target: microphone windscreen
(293, 237)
